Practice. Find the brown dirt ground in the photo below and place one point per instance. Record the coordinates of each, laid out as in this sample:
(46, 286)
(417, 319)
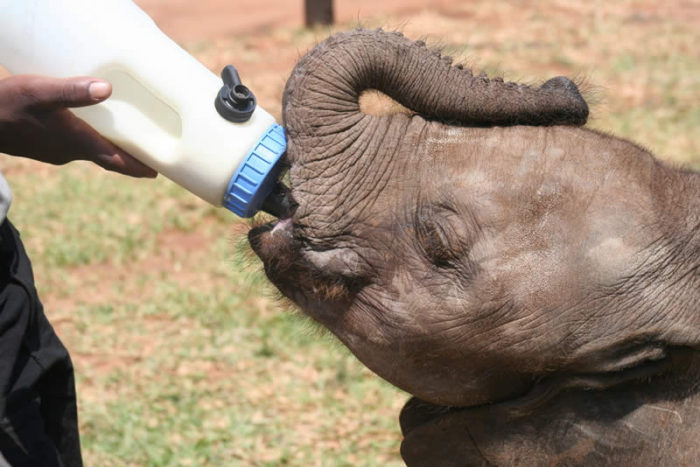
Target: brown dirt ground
(185, 20)
(264, 38)
(255, 35)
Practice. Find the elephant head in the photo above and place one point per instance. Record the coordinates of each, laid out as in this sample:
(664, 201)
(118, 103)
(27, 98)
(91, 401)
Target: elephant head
(483, 247)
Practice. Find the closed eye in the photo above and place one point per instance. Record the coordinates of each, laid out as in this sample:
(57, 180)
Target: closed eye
(437, 241)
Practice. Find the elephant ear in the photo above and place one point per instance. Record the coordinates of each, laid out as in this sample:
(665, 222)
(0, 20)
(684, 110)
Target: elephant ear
(598, 367)
(322, 94)
(642, 422)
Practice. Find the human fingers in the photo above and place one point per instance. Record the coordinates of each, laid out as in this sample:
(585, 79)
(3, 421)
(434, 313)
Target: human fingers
(89, 145)
(49, 92)
(123, 163)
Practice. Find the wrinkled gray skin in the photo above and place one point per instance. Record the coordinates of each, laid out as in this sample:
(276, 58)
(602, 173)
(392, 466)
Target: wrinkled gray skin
(533, 283)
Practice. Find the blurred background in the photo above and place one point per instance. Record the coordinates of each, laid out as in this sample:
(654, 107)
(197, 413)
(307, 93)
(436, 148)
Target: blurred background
(184, 355)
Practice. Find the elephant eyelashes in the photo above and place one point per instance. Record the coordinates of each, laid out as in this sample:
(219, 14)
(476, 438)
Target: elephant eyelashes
(436, 242)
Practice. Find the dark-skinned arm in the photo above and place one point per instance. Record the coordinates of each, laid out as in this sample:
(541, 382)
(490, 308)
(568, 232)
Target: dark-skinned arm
(35, 122)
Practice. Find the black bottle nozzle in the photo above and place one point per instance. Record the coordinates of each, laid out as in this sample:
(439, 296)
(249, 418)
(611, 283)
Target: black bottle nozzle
(235, 102)
(279, 202)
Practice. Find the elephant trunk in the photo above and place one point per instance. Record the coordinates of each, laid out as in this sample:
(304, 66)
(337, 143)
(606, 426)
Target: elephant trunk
(321, 98)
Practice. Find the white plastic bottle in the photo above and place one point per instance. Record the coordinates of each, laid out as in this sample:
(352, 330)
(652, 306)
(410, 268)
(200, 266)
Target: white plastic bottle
(162, 109)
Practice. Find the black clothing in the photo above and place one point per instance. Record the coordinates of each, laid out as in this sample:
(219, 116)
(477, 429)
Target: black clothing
(38, 411)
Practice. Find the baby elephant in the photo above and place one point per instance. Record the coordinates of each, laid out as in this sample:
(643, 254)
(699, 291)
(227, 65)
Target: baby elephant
(534, 284)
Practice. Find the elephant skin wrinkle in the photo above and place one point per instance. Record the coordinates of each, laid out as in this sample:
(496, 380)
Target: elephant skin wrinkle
(534, 284)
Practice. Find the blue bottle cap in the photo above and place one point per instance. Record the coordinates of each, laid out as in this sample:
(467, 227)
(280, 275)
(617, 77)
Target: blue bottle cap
(257, 174)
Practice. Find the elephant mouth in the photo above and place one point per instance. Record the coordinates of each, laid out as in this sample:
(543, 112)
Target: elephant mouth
(272, 242)
(275, 242)
(279, 202)
(274, 238)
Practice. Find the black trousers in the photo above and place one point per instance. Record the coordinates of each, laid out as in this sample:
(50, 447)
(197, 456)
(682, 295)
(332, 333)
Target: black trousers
(38, 412)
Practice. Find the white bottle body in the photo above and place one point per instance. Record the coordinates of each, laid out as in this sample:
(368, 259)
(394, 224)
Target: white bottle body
(162, 104)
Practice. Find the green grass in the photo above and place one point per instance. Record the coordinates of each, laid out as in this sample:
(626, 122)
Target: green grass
(185, 356)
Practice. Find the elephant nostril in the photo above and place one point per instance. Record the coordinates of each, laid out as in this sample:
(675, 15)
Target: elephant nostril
(578, 108)
(561, 82)
(565, 85)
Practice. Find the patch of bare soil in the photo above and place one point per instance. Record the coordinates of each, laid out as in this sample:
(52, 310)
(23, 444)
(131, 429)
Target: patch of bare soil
(176, 257)
(187, 21)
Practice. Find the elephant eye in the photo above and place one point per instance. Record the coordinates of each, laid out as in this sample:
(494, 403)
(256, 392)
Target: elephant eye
(436, 241)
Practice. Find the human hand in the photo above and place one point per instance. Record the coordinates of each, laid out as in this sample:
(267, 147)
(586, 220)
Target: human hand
(35, 122)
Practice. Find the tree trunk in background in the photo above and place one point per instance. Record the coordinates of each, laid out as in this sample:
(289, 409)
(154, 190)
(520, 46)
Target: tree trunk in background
(318, 12)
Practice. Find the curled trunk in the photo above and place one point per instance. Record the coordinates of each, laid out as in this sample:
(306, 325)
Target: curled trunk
(322, 96)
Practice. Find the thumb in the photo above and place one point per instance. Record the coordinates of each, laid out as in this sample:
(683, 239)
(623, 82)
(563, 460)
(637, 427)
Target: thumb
(66, 92)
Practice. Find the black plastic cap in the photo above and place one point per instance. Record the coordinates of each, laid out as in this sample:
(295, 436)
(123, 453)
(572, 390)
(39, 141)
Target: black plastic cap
(234, 102)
